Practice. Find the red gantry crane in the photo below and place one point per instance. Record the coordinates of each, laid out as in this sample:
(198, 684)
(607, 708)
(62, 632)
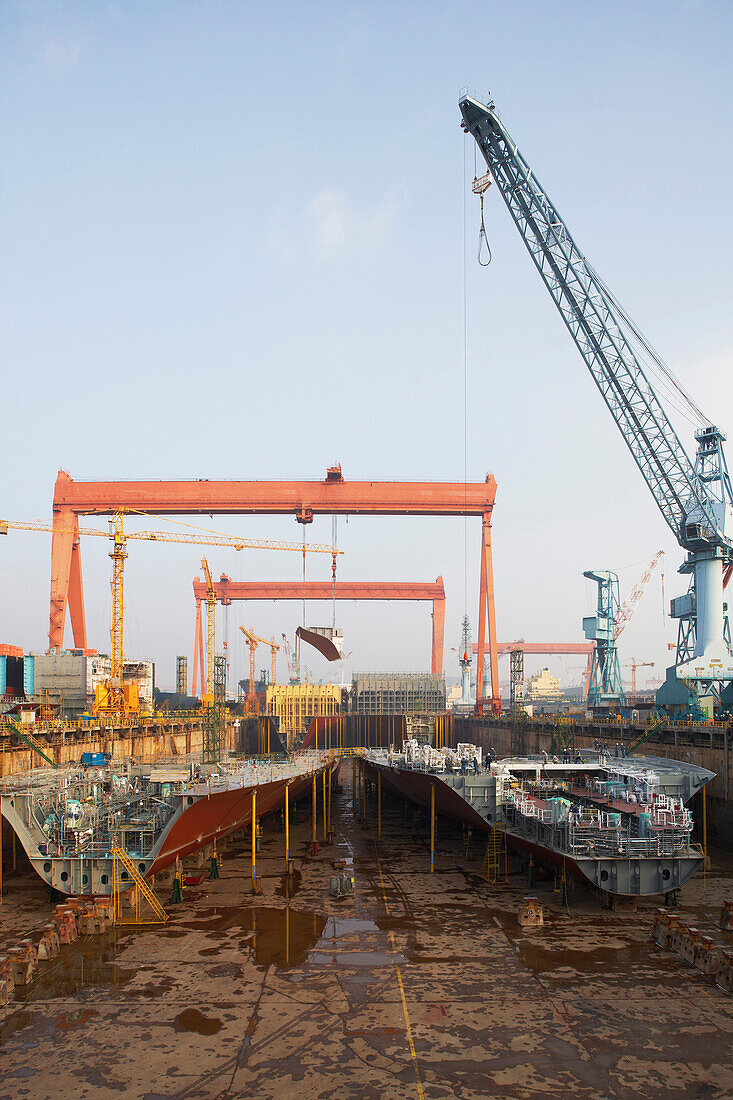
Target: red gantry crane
(301, 499)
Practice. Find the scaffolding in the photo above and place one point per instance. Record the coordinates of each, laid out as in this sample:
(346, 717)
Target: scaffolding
(294, 705)
(516, 701)
(125, 875)
(563, 737)
(213, 716)
(181, 675)
(398, 693)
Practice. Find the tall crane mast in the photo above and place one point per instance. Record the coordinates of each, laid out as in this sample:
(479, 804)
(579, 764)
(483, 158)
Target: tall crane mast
(695, 499)
(293, 668)
(118, 555)
(212, 705)
(210, 626)
(253, 640)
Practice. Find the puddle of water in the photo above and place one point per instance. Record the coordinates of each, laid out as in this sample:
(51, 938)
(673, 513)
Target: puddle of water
(541, 959)
(290, 885)
(86, 962)
(346, 926)
(193, 1020)
(355, 958)
(13, 1023)
(280, 936)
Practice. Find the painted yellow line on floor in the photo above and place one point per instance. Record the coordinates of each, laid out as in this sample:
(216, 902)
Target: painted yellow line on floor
(420, 1092)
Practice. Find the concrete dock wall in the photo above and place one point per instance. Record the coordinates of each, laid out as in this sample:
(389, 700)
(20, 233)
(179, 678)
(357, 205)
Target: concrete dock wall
(140, 742)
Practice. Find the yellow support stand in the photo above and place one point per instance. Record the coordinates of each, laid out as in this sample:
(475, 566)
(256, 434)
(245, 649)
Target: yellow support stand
(330, 773)
(314, 816)
(379, 805)
(432, 828)
(253, 829)
(287, 828)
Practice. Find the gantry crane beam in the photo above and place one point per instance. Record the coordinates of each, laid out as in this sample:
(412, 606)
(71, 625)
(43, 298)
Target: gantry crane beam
(542, 647)
(432, 591)
(301, 499)
(547, 649)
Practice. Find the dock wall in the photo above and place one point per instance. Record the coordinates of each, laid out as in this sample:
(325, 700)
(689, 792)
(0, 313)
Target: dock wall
(139, 742)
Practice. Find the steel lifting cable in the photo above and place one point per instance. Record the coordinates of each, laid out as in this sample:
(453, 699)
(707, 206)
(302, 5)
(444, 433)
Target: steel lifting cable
(482, 238)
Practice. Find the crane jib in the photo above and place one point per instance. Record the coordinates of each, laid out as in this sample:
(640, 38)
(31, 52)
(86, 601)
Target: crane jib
(599, 330)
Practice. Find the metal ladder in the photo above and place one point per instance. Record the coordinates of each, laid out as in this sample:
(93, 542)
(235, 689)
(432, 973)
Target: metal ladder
(120, 861)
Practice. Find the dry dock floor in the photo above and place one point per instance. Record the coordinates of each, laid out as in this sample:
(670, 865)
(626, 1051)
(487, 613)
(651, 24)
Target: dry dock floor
(419, 986)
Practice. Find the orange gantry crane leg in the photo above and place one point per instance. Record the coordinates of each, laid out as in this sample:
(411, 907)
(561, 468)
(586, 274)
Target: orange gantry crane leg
(300, 499)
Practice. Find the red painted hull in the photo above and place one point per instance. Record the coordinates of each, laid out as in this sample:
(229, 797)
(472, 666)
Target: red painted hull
(215, 816)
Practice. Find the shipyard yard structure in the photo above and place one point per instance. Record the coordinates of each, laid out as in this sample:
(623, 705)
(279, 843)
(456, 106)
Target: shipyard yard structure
(419, 883)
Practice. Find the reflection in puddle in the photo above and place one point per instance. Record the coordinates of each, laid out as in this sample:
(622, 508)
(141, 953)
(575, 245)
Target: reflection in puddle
(86, 962)
(355, 958)
(193, 1020)
(283, 937)
(337, 926)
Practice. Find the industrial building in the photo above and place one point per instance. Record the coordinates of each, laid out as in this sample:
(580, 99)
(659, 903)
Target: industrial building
(67, 680)
(397, 693)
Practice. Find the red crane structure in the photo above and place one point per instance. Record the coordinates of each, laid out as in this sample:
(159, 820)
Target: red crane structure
(301, 499)
(543, 648)
(228, 590)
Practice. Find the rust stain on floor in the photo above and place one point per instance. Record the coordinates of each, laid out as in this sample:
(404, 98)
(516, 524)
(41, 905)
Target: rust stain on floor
(294, 994)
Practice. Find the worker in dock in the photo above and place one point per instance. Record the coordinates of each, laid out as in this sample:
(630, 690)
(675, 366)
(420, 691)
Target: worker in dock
(475, 766)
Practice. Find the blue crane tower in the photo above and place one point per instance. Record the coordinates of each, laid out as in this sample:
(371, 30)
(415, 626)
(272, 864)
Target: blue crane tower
(605, 689)
(695, 499)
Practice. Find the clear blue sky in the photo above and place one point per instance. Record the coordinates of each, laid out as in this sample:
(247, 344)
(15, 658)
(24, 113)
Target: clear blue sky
(232, 246)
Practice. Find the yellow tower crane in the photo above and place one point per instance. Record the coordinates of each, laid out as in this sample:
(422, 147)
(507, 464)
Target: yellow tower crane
(212, 701)
(118, 700)
(253, 640)
(113, 699)
(210, 627)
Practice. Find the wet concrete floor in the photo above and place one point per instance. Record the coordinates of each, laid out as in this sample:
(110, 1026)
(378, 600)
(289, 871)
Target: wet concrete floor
(420, 986)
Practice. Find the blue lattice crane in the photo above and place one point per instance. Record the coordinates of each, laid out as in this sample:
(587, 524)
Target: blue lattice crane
(605, 687)
(695, 498)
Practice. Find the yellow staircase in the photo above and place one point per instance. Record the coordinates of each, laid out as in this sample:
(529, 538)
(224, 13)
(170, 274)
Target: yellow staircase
(494, 869)
(143, 892)
(27, 738)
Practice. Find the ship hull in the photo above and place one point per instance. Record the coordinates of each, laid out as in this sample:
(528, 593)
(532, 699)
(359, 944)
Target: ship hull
(634, 877)
(201, 818)
(217, 816)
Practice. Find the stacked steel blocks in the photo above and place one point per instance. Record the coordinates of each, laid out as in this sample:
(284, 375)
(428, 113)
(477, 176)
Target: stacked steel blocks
(671, 932)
